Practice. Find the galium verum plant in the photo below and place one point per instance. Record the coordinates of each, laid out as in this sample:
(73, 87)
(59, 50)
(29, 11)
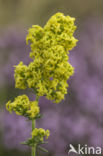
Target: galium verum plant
(47, 74)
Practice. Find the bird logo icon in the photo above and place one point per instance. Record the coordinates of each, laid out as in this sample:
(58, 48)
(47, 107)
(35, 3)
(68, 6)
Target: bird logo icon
(72, 149)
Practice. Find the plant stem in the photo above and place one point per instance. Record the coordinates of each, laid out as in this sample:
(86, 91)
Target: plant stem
(33, 148)
(33, 127)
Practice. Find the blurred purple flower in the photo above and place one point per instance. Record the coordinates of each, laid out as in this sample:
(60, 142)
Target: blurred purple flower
(13, 49)
(16, 130)
(87, 83)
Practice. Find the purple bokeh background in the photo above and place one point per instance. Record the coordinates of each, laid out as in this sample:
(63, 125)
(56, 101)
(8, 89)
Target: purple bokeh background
(77, 119)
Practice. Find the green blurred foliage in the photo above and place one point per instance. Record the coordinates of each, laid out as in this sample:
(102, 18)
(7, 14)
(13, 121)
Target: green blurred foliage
(28, 12)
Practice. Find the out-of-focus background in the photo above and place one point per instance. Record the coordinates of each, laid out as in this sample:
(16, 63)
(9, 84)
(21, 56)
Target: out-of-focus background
(79, 118)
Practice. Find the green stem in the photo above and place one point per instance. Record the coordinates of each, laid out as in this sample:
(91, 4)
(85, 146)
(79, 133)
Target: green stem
(33, 148)
(33, 127)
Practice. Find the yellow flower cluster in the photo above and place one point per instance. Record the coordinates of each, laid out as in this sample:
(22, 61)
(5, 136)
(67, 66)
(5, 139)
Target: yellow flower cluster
(39, 134)
(50, 69)
(47, 73)
(22, 106)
